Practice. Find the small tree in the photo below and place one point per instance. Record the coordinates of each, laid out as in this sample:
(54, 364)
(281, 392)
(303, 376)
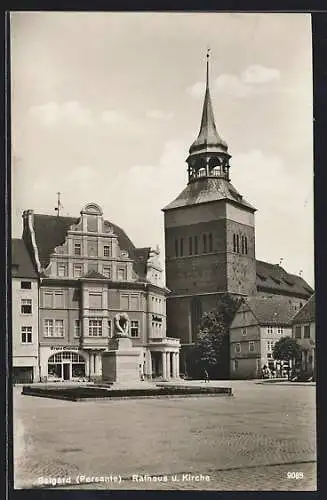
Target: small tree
(287, 349)
(212, 343)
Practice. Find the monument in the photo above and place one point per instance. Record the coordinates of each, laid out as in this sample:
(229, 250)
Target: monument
(121, 362)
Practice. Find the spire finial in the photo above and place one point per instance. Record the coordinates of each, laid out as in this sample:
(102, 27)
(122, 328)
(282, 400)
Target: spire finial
(208, 57)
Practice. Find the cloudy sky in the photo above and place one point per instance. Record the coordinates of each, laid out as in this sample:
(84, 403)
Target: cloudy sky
(106, 105)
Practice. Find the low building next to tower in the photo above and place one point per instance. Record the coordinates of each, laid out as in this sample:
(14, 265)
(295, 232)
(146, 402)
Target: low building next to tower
(90, 271)
(210, 240)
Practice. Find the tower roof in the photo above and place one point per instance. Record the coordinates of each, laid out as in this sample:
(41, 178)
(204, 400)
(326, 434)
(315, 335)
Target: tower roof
(208, 138)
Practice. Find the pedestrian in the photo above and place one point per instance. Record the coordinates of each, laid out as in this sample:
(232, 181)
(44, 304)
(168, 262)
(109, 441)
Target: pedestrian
(206, 375)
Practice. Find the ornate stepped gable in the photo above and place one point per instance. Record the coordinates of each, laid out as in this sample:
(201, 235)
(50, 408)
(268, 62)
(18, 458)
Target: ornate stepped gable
(51, 233)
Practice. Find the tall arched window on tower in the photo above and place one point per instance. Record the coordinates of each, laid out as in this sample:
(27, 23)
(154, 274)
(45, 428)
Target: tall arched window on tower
(237, 243)
(176, 247)
(181, 247)
(242, 244)
(234, 242)
(195, 245)
(190, 245)
(204, 239)
(210, 243)
(246, 244)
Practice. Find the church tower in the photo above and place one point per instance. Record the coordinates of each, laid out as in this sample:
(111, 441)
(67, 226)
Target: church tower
(209, 233)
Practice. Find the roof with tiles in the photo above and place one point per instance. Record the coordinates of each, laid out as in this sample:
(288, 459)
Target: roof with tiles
(22, 266)
(273, 278)
(271, 310)
(307, 313)
(51, 231)
(207, 190)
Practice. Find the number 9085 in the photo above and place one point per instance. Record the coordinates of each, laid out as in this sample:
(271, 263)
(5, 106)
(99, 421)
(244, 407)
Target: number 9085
(295, 475)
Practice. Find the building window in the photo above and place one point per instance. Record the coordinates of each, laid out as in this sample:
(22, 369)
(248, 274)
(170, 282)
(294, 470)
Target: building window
(190, 245)
(59, 328)
(53, 327)
(270, 329)
(270, 345)
(48, 299)
(176, 247)
(242, 244)
(195, 245)
(306, 333)
(25, 285)
(26, 306)
(62, 270)
(237, 243)
(77, 328)
(280, 330)
(124, 303)
(210, 243)
(77, 271)
(58, 299)
(134, 306)
(245, 244)
(95, 327)
(234, 242)
(244, 332)
(107, 272)
(235, 365)
(251, 347)
(77, 249)
(107, 251)
(121, 274)
(204, 240)
(109, 328)
(95, 300)
(135, 328)
(297, 332)
(26, 334)
(181, 247)
(237, 348)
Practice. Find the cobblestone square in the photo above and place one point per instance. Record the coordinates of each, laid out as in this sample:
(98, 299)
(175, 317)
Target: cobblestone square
(262, 438)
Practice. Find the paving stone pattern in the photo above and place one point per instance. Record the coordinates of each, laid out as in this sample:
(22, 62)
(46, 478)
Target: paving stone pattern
(247, 442)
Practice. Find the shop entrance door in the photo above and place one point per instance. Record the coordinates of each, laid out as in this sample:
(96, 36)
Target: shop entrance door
(66, 370)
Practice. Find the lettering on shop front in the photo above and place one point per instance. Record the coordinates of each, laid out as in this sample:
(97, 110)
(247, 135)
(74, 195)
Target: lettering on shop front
(64, 348)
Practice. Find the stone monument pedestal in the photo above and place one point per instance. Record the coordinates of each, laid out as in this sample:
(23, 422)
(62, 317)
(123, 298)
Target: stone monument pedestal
(121, 362)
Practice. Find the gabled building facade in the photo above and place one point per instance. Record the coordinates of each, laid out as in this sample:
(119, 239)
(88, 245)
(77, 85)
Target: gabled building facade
(90, 271)
(258, 324)
(304, 331)
(25, 311)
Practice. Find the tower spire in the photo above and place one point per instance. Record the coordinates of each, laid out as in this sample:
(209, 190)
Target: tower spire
(209, 155)
(208, 135)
